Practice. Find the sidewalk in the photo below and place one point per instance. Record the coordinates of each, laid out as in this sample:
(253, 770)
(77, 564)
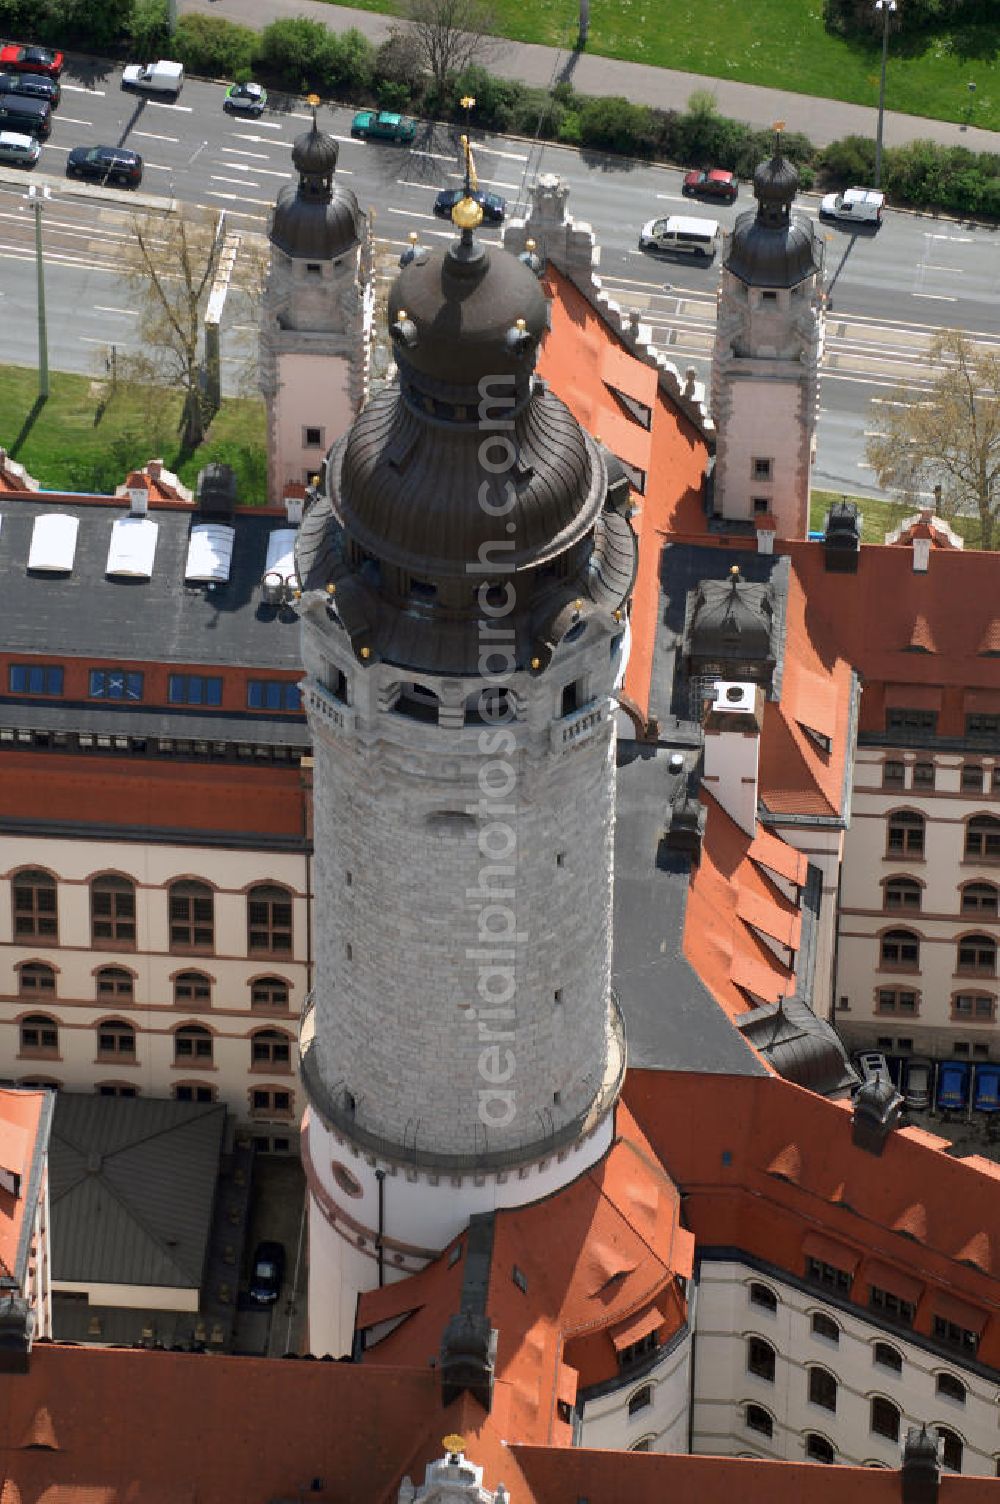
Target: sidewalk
(822, 120)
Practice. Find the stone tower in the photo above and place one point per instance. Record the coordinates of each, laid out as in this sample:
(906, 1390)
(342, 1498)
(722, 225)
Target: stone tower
(316, 318)
(765, 368)
(466, 576)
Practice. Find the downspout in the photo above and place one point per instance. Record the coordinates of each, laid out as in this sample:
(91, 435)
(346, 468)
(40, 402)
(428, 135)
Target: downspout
(380, 1177)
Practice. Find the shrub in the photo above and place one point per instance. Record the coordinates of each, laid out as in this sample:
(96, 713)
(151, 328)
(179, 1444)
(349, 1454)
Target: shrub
(398, 60)
(303, 54)
(148, 28)
(539, 113)
(613, 123)
(848, 163)
(206, 44)
(351, 63)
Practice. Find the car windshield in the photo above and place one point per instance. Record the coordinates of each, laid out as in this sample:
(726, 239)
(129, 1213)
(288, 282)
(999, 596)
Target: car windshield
(659, 226)
(37, 55)
(266, 1270)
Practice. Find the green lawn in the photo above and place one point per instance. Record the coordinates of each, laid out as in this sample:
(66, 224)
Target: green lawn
(781, 43)
(880, 517)
(86, 437)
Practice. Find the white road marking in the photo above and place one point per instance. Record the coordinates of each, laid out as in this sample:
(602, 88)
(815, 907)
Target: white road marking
(262, 125)
(294, 115)
(152, 136)
(934, 297)
(263, 140)
(89, 339)
(235, 151)
(268, 172)
(70, 120)
(958, 239)
(675, 198)
(156, 167)
(408, 183)
(410, 214)
(937, 266)
(239, 198)
(492, 182)
(493, 151)
(80, 89)
(439, 156)
(157, 104)
(239, 182)
(131, 313)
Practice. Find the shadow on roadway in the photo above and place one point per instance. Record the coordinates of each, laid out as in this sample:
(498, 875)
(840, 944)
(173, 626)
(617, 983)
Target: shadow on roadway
(132, 121)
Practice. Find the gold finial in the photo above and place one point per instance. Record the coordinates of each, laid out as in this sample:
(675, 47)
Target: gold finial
(468, 101)
(454, 1443)
(520, 324)
(331, 589)
(471, 179)
(529, 245)
(618, 614)
(313, 101)
(467, 214)
(366, 652)
(536, 663)
(577, 605)
(315, 480)
(778, 127)
(413, 237)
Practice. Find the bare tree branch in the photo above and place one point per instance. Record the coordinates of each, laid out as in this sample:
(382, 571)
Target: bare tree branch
(450, 34)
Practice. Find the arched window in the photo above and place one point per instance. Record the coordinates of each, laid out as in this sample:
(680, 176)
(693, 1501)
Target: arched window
(818, 1449)
(112, 912)
(115, 1040)
(115, 1089)
(192, 1091)
(114, 982)
(35, 979)
(271, 1102)
(905, 833)
(269, 1049)
(760, 1358)
(886, 1356)
(899, 949)
(269, 920)
(977, 955)
(269, 994)
(418, 702)
(952, 1447)
(192, 916)
(192, 1043)
(39, 1035)
(902, 893)
(824, 1326)
(982, 838)
(823, 1388)
(884, 1418)
(756, 1418)
(952, 1388)
(641, 1400)
(192, 989)
(762, 1296)
(35, 911)
(979, 898)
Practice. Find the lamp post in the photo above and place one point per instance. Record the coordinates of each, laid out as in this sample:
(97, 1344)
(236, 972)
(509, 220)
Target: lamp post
(972, 101)
(887, 7)
(36, 200)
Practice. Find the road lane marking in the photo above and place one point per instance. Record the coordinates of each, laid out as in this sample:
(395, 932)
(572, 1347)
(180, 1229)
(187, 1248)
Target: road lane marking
(81, 89)
(156, 167)
(157, 104)
(494, 151)
(71, 120)
(239, 198)
(410, 214)
(493, 182)
(236, 152)
(152, 136)
(268, 172)
(934, 297)
(261, 125)
(88, 339)
(438, 156)
(239, 182)
(131, 313)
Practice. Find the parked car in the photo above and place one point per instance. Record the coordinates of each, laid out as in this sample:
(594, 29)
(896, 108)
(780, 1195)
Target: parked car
(681, 236)
(267, 1274)
(384, 126)
(986, 1097)
(32, 86)
(872, 1066)
(714, 183)
(952, 1085)
(107, 164)
(28, 116)
(859, 205)
(245, 99)
(154, 78)
(20, 59)
(917, 1084)
(19, 151)
(493, 206)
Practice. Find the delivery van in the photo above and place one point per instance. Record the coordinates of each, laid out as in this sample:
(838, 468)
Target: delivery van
(861, 206)
(681, 235)
(154, 78)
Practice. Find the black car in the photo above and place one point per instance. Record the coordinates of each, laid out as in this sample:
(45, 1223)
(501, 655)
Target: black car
(105, 164)
(493, 206)
(32, 86)
(267, 1275)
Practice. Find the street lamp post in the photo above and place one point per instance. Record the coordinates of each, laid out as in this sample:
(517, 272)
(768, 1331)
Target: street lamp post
(887, 7)
(36, 199)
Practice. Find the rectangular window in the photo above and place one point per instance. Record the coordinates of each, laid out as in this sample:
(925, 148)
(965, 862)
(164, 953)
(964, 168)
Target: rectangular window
(972, 778)
(982, 725)
(35, 679)
(312, 438)
(273, 694)
(761, 469)
(115, 684)
(194, 689)
(923, 775)
(821, 1273)
(897, 718)
(900, 1312)
(893, 775)
(761, 504)
(955, 1336)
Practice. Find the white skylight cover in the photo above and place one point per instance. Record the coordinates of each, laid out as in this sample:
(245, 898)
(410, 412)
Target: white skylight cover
(133, 546)
(210, 553)
(53, 542)
(281, 553)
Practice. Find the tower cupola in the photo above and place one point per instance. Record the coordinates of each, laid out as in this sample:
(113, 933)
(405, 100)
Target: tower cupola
(317, 219)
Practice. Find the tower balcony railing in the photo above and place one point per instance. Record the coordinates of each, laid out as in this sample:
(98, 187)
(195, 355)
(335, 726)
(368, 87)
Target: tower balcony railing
(333, 1105)
(325, 706)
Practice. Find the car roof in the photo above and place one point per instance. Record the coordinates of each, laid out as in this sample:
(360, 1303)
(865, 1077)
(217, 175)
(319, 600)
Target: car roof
(719, 175)
(389, 117)
(15, 138)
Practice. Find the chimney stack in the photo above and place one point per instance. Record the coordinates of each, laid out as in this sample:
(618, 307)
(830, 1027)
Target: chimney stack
(921, 1472)
(138, 494)
(921, 555)
(732, 722)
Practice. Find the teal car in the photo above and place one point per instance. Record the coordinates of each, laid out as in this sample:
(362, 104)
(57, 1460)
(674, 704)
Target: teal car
(245, 99)
(384, 126)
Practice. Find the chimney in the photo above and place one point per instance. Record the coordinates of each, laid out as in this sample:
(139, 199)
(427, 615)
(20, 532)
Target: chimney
(921, 1474)
(154, 469)
(732, 722)
(294, 499)
(767, 529)
(921, 555)
(138, 494)
(842, 538)
(876, 1110)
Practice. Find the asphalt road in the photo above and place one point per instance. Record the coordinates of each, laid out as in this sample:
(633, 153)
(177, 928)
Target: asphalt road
(889, 291)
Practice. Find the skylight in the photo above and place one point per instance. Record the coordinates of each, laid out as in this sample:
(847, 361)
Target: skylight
(281, 553)
(53, 542)
(210, 553)
(133, 546)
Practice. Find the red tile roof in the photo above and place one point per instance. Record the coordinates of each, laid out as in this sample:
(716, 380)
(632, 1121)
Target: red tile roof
(20, 1118)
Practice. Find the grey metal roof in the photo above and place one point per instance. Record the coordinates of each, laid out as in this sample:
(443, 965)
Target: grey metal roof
(88, 614)
(771, 247)
(108, 718)
(802, 1047)
(132, 1186)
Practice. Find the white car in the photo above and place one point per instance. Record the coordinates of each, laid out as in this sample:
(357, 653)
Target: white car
(863, 206)
(154, 78)
(681, 234)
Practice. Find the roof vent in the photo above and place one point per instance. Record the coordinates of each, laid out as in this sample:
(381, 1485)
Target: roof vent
(842, 538)
(138, 495)
(210, 553)
(216, 491)
(921, 1473)
(53, 542)
(877, 1107)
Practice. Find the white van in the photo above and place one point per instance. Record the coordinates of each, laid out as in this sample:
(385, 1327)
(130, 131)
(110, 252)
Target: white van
(154, 78)
(18, 150)
(681, 234)
(862, 205)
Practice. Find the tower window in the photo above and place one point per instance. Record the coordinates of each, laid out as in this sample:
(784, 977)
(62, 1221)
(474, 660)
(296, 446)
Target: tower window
(314, 268)
(571, 698)
(761, 504)
(312, 438)
(769, 297)
(761, 468)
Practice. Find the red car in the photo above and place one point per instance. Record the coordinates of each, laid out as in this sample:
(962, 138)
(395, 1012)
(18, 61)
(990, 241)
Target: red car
(712, 184)
(20, 59)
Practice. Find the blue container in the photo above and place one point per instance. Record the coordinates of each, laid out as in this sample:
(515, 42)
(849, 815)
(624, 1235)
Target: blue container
(953, 1085)
(987, 1093)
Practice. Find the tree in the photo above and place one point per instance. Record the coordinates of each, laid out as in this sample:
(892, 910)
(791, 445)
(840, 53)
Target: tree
(450, 34)
(170, 263)
(950, 438)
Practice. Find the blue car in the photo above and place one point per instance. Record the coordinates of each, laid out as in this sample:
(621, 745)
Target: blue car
(987, 1093)
(953, 1085)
